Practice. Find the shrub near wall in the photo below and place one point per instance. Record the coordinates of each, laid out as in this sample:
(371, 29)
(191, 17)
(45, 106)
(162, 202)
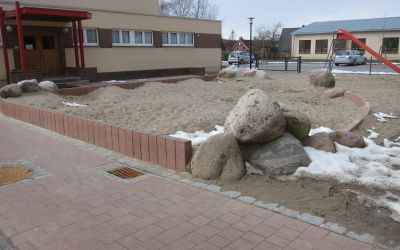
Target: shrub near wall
(165, 151)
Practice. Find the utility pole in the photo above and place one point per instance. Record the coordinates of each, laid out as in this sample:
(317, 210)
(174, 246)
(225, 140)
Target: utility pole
(251, 34)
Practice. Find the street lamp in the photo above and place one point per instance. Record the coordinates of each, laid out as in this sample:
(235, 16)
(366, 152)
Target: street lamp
(251, 34)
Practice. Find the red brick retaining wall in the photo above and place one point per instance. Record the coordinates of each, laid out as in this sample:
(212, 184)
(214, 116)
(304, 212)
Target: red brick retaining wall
(163, 150)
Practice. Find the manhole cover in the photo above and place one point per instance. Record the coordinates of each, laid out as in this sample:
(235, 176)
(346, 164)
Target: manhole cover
(125, 173)
(11, 174)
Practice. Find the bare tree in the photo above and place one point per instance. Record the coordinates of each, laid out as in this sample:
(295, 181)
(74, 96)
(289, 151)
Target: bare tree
(200, 9)
(232, 35)
(270, 36)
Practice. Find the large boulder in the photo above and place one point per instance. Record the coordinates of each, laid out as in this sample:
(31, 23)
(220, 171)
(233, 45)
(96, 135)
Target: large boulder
(29, 85)
(335, 92)
(321, 78)
(218, 158)
(11, 90)
(297, 123)
(321, 141)
(48, 86)
(280, 157)
(256, 118)
(348, 139)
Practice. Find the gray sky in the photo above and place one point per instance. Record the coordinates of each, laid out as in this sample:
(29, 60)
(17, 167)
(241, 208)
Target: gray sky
(292, 13)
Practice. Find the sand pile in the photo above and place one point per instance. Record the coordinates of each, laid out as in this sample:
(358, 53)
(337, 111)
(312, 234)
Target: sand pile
(193, 105)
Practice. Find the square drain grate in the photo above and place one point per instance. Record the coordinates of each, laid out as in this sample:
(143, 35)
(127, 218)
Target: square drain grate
(125, 173)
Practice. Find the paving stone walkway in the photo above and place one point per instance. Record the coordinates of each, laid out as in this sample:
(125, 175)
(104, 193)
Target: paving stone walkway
(76, 207)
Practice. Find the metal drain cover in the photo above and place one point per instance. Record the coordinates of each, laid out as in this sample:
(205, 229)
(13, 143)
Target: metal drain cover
(12, 174)
(125, 173)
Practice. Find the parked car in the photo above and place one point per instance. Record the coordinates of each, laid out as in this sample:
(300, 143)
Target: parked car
(350, 57)
(239, 56)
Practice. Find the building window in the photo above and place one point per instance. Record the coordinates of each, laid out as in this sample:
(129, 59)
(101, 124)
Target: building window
(90, 37)
(178, 39)
(355, 46)
(321, 46)
(390, 45)
(339, 45)
(304, 46)
(132, 38)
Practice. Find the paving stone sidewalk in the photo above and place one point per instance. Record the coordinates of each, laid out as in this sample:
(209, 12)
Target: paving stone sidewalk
(76, 207)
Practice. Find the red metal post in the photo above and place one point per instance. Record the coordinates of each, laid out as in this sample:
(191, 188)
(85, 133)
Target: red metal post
(343, 34)
(81, 44)
(21, 44)
(4, 40)
(74, 35)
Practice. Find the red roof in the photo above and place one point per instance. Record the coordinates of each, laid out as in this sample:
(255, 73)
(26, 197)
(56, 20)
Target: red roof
(44, 14)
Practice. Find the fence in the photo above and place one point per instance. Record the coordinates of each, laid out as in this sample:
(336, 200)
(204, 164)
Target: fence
(280, 64)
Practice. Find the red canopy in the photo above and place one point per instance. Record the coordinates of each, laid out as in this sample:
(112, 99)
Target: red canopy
(44, 14)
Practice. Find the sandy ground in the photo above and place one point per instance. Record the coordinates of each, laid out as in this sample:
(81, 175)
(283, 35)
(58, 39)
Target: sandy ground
(194, 105)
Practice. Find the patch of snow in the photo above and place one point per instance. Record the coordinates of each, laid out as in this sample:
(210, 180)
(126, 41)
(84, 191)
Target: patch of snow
(198, 137)
(115, 81)
(381, 117)
(388, 144)
(397, 139)
(314, 131)
(373, 134)
(339, 71)
(73, 104)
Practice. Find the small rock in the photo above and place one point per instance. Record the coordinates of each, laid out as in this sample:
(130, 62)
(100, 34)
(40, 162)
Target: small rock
(348, 139)
(246, 72)
(336, 92)
(280, 157)
(256, 118)
(252, 170)
(29, 85)
(227, 73)
(11, 90)
(48, 86)
(320, 78)
(218, 158)
(297, 123)
(320, 141)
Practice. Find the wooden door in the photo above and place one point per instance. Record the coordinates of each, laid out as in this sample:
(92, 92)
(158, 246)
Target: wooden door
(42, 52)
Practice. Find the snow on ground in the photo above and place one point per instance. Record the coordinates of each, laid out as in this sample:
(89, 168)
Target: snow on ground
(198, 137)
(73, 104)
(381, 117)
(373, 134)
(115, 81)
(339, 71)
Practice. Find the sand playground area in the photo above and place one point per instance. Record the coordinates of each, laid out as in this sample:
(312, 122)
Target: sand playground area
(359, 199)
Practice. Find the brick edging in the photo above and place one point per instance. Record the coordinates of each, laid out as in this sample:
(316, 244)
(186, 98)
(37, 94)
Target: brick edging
(364, 107)
(166, 151)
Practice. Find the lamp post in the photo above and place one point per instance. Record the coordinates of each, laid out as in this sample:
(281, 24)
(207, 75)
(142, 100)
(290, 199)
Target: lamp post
(251, 34)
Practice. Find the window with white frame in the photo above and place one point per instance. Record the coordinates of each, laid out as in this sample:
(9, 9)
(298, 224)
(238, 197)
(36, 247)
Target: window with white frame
(132, 38)
(90, 37)
(177, 39)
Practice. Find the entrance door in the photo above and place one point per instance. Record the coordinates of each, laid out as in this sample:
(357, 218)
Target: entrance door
(42, 52)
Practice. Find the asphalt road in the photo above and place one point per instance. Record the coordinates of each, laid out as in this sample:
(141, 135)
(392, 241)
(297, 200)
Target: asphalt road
(310, 66)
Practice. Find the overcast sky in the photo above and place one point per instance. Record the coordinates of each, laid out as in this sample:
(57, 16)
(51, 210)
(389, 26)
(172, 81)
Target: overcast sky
(294, 13)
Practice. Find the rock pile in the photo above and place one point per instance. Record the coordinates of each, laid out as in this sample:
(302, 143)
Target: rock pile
(255, 133)
(263, 138)
(27, 86)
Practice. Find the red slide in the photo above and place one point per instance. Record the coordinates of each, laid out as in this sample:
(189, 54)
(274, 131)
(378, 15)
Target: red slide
(343, 34)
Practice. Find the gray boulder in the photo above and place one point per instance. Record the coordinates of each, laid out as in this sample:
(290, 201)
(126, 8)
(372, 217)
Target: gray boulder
(320, 78)
(297, 123)
(256, 118)
(218, 158)
(320, 141)
(348, 139)
(11, 90)
(48, 86)
(280, 157)
(29, 85)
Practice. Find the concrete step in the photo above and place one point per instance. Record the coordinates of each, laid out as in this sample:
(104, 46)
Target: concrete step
(63, 79)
